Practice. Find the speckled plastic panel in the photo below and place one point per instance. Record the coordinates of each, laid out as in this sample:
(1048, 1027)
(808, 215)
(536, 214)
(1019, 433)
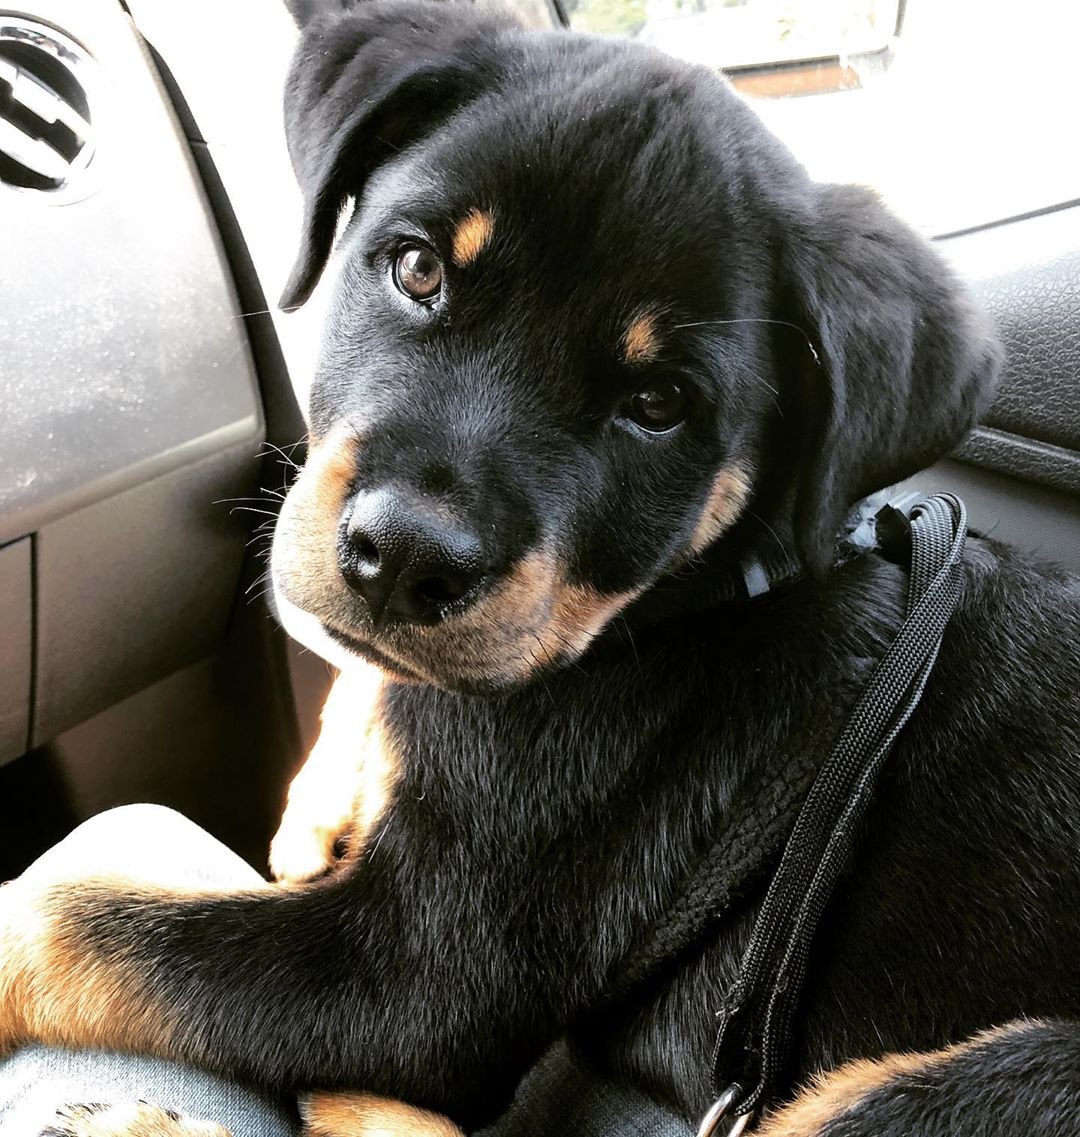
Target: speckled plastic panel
(1026, 274)
(130, 407)
(122, 351)
(136, 586)
(15, 648)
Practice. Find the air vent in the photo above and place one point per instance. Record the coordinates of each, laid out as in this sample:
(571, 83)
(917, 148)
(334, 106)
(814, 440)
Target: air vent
(46, 121)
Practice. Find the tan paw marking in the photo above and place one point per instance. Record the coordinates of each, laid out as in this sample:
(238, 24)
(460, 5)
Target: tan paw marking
(138, 1119)
(343, 786)
(363, 1115)
(830, 1094)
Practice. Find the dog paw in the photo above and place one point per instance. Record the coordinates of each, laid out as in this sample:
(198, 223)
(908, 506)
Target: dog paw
(138, 1119)
(17, 940)
(340, 1114)
(303, 847)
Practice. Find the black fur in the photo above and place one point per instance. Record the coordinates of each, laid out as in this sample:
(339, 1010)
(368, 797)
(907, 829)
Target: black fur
(1024, 1082)
(537, 831)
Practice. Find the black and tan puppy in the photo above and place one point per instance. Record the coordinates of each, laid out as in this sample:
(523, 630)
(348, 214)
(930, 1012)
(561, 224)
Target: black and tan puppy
(598, 347)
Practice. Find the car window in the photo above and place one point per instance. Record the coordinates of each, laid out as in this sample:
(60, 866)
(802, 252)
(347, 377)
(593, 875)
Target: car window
(965, 117)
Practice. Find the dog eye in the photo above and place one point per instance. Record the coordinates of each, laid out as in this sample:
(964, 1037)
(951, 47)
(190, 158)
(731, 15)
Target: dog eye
(657, 407)
(418, 273)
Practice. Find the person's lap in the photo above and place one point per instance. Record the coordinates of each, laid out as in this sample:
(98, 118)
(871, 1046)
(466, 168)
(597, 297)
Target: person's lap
(557, 1097)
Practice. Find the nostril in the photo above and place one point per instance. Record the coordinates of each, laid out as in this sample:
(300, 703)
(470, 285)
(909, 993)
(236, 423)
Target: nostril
(366, 552)
(437, 590)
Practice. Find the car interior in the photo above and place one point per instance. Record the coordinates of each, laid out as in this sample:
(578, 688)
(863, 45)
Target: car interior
(151, 412)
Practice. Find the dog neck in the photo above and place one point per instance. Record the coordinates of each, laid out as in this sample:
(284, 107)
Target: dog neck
(753, 561)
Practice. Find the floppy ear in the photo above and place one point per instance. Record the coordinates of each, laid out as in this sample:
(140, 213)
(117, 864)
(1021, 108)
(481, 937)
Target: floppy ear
(366, 84)
(905, 363)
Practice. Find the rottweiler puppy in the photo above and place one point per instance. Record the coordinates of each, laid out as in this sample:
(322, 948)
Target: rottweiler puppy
(600, 353)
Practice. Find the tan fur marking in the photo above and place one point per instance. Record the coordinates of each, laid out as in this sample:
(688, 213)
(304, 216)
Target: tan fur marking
(831, 1094)
(137, 1119)
(579, 614)
(305, 537)
(641, 344)
(334, 467)
(362, 1115)
(540, 616)
(344, 784)
(471, 236)
(54, 990)
(526, 621)
(726, 501)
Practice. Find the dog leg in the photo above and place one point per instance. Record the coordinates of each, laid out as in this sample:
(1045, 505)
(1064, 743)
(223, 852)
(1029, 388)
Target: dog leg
(138, 1119)
(362, 1115)
(1020, 1078)
(354, 980)
(324, 1115)
(344, 784)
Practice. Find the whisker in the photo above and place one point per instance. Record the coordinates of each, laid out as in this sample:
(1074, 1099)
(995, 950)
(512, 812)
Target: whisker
(540, 669)
(774, 394)
(630, 639)
(258, 582)
(287, 459)
(573, 651)
(266, 493)
(759, 320)
(780, 544)
(251, 509)
(266, 311)
(764, 382)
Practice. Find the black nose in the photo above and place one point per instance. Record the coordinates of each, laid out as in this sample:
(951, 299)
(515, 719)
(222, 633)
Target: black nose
(406, 562)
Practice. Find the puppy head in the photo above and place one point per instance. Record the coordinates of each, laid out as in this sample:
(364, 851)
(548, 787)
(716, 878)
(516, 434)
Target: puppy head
(559, 362)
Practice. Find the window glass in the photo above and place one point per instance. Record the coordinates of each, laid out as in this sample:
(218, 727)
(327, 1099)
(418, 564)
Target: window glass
(967, 116)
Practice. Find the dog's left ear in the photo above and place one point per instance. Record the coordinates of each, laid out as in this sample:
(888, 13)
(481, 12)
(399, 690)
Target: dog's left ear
(903, 363)
(364, 86)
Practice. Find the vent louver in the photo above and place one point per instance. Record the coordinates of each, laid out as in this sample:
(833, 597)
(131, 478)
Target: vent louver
(46, 131)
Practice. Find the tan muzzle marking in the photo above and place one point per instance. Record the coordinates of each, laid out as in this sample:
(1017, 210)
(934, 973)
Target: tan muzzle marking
(726, 501)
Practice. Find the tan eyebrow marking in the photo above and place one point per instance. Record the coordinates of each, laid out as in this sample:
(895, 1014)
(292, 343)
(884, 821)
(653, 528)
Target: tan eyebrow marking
(641, 343)
(471, 235)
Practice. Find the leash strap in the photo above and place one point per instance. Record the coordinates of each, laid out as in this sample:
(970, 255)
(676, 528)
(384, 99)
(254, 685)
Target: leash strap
(755, 1034)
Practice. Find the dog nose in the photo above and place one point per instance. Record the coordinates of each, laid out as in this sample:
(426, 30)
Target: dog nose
(406, 563)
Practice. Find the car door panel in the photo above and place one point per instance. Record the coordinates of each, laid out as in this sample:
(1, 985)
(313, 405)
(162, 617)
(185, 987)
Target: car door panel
(132, 402)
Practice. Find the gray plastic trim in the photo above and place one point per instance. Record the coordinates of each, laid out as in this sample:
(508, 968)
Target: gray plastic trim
(15, 647)
(122, 348)
(1042, 521)
(136, 586)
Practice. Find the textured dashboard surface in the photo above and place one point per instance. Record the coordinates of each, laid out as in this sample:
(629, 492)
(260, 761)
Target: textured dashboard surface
(1027, 275)
(120, 338)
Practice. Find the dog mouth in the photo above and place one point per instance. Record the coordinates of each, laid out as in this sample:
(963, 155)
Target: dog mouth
(453, 656)
(532, 616)
(499, 644)
(365, 649)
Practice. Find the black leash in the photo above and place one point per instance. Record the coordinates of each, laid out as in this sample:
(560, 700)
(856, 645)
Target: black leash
(755, 1034)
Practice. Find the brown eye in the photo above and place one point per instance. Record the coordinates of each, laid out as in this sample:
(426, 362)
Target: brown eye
(657, 407)
(418, 273)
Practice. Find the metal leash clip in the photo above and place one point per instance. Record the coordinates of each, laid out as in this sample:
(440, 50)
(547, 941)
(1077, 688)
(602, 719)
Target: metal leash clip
(719, 1112)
